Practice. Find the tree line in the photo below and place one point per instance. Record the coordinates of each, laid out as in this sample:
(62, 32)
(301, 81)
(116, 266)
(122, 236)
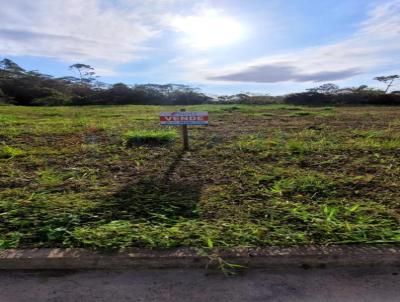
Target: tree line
(32, 88)
(327, 95)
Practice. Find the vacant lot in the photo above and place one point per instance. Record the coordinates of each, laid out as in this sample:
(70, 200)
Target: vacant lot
(258, 175)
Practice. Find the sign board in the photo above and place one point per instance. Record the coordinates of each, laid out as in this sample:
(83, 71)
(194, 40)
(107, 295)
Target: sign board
(181, 118)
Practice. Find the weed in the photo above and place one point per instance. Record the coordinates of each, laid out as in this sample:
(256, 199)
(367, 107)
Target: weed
(48, 177)
(308, 184)
(232, 108)
(252, 144)
(302, 113)
(115, 234)
(227, 268)
(291, 108)
(7, 152)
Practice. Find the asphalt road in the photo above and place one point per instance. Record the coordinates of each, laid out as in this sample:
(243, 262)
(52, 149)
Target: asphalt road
(286, 285)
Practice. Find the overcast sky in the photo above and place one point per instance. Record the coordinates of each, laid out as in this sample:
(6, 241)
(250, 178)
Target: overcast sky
(221, 46)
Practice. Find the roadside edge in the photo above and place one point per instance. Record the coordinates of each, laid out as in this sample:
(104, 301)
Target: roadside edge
(267, 257)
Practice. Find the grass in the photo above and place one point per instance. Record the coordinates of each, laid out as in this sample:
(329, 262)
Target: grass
(149, 137)
(302, 113)
(7, 152)
(109, 177)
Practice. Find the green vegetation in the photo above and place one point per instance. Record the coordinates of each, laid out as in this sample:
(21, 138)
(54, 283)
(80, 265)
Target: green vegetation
(302, 113)
(256, 176)
(149, 137)
(32, 88)
(8, 152)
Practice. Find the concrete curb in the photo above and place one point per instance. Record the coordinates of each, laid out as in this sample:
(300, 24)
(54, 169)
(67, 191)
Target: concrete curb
(269, 257)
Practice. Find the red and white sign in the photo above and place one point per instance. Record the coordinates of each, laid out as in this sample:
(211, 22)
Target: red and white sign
(184, 118)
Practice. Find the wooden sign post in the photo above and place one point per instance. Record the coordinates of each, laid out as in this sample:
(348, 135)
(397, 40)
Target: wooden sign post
(185, 135)
(184, 118)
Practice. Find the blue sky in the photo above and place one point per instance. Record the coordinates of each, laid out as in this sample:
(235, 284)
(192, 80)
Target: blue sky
(221, 46)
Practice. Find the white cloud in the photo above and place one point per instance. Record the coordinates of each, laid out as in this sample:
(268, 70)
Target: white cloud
(375, 44)
(109, 33)
(72, 30)
(103, 33)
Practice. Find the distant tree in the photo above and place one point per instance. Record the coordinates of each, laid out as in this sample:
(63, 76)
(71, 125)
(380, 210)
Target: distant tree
(119, 94)
(9, 68)
(388, 80)
(3, 97)
(362, 88)
(32, 88)
(23, 87)
(87, 75)
(327, 88)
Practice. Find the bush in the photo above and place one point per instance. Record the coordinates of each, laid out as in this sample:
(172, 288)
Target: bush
(58, 99)
(309, 98)
(354, 98)
(149, 137)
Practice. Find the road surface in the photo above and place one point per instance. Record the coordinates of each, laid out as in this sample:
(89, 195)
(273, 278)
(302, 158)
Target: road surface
(286, 285)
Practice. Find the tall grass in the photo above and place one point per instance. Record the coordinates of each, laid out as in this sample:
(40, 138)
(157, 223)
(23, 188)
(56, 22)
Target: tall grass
(149, 137)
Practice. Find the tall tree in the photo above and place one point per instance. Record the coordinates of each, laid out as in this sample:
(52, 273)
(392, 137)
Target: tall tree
(9, 68)
(327, 88)
(388, 80)
(87, 75)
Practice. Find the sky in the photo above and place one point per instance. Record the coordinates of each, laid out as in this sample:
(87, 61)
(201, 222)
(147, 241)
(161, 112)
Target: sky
(221, 46)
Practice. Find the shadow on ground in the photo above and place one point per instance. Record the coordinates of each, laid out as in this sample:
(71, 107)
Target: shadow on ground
(165, 197)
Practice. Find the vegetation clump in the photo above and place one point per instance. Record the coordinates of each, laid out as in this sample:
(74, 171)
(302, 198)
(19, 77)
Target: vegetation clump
(8, 152)
(149, 137)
